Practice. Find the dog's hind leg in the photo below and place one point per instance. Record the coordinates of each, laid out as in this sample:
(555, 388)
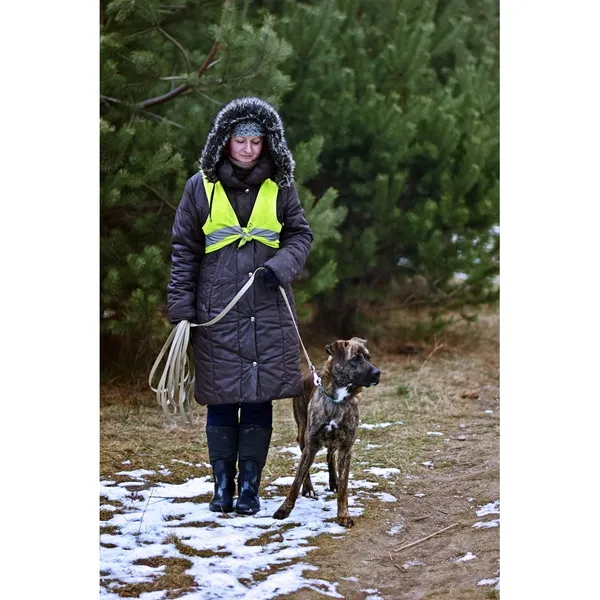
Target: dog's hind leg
(306, 460)
(333, 482)
(307, 487)
(343, 516)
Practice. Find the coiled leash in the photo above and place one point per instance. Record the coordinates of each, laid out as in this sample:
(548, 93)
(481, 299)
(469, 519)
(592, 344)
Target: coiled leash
(176, 384)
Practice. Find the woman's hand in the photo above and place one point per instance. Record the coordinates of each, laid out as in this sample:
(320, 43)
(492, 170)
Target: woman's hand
(270, 278)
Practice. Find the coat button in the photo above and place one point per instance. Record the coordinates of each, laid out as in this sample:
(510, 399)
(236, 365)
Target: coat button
(254, 364)
(247, 190)
(249, 274)
(252, 319)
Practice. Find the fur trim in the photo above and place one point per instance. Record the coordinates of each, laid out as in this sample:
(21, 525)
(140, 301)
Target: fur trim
(236, 111)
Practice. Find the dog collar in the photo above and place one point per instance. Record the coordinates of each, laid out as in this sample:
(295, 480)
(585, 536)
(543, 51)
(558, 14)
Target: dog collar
(322, 390)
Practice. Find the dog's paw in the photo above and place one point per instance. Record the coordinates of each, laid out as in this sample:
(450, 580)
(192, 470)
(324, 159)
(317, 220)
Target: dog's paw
(345, 521)
(281, 513)
(309, 492)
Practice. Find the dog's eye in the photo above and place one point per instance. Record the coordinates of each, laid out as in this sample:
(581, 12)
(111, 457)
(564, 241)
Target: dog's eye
(356, 358)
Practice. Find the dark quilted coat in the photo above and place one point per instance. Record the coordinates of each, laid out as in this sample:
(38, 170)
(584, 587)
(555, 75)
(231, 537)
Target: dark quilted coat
(252, 354)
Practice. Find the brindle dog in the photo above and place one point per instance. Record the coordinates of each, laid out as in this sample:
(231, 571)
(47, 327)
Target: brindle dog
(328, 416)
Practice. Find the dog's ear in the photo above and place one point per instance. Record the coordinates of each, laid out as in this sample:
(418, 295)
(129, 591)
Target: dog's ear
(337, 350)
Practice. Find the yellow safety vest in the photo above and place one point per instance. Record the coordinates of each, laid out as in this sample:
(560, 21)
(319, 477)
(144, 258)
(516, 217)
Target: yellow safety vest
(223, 227)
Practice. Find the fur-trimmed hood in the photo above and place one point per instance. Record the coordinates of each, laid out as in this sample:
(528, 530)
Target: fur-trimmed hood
(242, 109)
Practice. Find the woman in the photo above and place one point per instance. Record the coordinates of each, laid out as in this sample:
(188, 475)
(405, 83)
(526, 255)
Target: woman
(239, 213)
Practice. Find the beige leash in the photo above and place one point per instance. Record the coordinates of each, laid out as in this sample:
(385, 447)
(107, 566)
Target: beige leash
(176, 384)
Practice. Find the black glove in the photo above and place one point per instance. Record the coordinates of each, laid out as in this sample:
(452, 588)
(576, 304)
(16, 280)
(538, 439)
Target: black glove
(270, 278)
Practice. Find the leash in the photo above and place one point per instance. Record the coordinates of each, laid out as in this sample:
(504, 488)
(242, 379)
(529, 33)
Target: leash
(175, 386)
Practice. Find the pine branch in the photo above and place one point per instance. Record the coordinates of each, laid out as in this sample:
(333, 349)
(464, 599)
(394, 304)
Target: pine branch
(255, 68)
(161, 118)
(185, 86)
(159, 196)
(178, 45)
(306, 60)
(217, 102)
(109, 99)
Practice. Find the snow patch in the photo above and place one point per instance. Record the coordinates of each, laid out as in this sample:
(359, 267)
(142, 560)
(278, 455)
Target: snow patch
(495, 582)
(487, 524)
(139, 474)
(493, 508)
(382, 472)
(385, 497)
(182, 462)
(295, 450)
(413, 563)
(379, 425)
(149, 519)
(466, 557)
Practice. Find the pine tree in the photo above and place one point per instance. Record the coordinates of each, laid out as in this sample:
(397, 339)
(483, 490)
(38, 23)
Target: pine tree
(166, 68)
(405, 96)
(391, 111)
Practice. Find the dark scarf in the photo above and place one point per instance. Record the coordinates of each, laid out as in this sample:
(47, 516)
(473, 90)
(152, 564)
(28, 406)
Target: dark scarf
(230, 175)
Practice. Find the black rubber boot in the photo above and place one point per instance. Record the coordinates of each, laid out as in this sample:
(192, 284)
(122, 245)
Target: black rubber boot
(253, 446)
(222, 452)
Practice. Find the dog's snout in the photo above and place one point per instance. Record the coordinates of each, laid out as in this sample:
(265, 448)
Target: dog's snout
(375, 373)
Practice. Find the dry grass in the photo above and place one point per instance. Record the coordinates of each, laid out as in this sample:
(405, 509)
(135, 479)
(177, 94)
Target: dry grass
(174, 579)
(444, 387)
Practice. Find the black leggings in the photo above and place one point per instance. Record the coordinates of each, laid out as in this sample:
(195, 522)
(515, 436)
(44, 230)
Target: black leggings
(226, 415)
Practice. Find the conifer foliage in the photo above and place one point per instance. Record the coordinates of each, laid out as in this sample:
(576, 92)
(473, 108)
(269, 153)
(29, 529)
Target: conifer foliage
(405, 95)
(166, 68)
(391, 112)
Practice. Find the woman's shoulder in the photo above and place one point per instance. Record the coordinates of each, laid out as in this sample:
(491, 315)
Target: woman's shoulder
(195, 187)
(288, 192)
(195, 180)
(194, 199)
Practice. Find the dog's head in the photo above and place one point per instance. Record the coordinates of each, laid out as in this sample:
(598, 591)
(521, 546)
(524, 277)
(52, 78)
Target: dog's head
(350, 363)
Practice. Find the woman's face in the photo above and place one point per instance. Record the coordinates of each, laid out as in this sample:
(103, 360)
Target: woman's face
(245, 149)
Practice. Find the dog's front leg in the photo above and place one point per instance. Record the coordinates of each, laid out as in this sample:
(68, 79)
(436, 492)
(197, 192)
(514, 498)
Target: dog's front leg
(343, 517)
(333, 482)
(306, 460)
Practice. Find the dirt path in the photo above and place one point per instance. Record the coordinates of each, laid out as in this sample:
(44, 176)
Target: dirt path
(429, 569)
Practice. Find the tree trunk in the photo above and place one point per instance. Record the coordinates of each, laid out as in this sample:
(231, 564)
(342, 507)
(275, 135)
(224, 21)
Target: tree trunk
(337, 312)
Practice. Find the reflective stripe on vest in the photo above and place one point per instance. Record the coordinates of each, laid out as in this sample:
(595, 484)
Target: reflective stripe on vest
(223, 227)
